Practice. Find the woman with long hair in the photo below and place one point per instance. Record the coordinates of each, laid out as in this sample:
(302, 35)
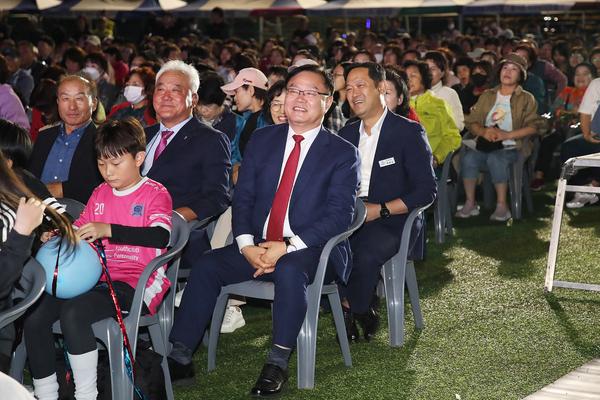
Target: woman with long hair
(21, 214)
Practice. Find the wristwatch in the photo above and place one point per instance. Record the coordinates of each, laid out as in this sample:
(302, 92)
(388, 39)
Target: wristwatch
(384, 212)
(289, 247)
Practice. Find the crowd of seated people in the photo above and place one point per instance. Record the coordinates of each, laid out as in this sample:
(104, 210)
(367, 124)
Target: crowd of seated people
(202, 118)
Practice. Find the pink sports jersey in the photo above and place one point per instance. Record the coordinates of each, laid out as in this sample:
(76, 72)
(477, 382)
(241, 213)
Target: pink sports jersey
(146, 204)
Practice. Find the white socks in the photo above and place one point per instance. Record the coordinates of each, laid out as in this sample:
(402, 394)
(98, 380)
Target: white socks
(46, 388)
(85, 368)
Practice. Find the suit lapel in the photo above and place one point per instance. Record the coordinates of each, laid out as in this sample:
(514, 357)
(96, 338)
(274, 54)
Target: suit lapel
(384, 136)
(310, 165)
(177, 145)
(354, 135)
(275, 159)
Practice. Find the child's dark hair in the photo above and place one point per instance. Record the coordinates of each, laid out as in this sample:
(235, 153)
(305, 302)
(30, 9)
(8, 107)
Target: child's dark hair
(15, 143)
(119, 137)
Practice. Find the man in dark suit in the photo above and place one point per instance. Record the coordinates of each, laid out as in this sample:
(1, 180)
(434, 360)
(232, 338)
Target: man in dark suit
(189, 158)
(296, 190)
(396, 177)
(63, 156)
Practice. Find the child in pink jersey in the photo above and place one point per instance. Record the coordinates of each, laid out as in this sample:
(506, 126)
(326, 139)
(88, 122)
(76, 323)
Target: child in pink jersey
(131, 214)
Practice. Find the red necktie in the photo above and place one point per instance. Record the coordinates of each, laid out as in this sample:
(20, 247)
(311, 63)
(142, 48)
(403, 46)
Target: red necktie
(164, 138)
(284, 191)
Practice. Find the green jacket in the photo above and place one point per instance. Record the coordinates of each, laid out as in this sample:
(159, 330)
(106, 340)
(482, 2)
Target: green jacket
(523, 109)
(436, 117)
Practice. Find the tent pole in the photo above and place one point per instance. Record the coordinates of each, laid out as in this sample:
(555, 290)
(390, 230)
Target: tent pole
(461, 23)
(419, 25)
(346, 23)
(261, 28)
(498, 20)
(279, 28)
(407, 23)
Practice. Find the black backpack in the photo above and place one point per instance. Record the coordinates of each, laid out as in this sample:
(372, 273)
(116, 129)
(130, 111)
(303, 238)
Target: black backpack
(148, 375)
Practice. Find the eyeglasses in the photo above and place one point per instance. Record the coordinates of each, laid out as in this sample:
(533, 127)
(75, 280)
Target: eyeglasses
(309, 93)
(276, 106)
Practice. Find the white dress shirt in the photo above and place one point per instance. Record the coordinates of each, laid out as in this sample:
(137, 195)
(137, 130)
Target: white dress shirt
(451, 97)
(151, 147)
(309, 137)
(367, 146)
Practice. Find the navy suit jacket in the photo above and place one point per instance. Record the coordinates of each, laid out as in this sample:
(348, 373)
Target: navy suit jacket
(324, 194)
(408, 175)
(195, 167)
(83, 171)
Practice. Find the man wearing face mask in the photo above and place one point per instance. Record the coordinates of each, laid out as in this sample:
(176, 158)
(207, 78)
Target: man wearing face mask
(138, 93)
(96, 68)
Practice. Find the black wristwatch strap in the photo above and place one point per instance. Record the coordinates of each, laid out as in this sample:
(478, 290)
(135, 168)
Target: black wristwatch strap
(385, 212)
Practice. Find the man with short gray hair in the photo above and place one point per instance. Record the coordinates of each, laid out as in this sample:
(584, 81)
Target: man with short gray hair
(191, 159)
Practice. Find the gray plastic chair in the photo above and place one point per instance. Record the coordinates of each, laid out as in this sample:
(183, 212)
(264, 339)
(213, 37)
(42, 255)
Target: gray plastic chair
(207, 223)
(32, 284)
(306, 344)
(159, 325)
(398, 270)
(442, 212)
(73, 207)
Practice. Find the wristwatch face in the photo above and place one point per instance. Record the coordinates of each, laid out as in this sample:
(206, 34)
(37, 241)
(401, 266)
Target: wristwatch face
(385, 213)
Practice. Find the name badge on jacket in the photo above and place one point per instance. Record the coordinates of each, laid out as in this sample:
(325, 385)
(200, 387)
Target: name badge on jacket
(387, 162)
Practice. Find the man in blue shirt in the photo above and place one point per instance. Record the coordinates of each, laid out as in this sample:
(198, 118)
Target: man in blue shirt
(63, 156)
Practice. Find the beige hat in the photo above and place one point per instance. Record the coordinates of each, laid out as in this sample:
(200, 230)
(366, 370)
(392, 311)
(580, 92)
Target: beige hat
(247, 76)
(516, 59)
(93, 40)
(302, 62)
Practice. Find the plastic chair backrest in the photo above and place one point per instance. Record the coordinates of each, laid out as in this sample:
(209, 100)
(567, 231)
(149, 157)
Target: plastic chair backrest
(73, 207)
(180, 233)
(222, 235)
(32, 283)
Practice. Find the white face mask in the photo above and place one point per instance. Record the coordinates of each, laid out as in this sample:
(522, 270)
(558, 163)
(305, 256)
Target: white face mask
(378, 57)
(134, 94)
(92, 72)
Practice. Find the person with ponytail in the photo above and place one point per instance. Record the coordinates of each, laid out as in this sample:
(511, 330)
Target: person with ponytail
(21, 214)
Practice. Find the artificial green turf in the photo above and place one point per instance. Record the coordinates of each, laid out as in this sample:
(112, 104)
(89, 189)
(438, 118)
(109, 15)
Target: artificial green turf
(490, 331)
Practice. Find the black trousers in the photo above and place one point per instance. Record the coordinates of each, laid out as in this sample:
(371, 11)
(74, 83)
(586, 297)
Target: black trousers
(76, 317)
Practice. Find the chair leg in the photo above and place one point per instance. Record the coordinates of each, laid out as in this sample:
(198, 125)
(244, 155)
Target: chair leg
(122, 388)
(526, 189)
(306, 343)
(438, 220)
(515, 183)
(17, 364)
(448, 229)
(394, 276)
(413, 293)
(215, 330)
(158, 344)
(340, 327)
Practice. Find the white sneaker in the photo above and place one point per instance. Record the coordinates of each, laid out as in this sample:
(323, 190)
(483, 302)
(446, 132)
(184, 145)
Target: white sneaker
(581, 199)
(466, 212)
(232, 320)
(501, 216)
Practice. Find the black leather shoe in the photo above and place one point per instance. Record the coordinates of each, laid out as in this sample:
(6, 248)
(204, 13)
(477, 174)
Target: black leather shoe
(369, 322)
(270, 382)
(351, 328)
(181, 374)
